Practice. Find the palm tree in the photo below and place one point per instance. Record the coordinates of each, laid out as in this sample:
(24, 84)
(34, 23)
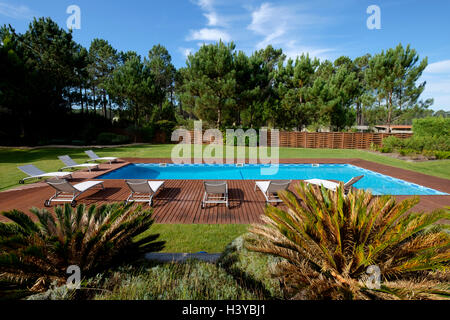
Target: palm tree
(91, 238)
(329, 241)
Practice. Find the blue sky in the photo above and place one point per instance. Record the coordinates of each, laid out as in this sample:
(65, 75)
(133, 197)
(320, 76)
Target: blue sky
(324, 28)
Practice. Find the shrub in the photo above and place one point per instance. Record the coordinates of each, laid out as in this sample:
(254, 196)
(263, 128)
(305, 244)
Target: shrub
(417, 143)
(91, 238)
(442, 155)
(105, 138)
(108, 138)
(392, 143)
(78, 142)
(405, 152)
(166, 128)
(329, 240)
(120, 139)
(431, 126)
(385, 149)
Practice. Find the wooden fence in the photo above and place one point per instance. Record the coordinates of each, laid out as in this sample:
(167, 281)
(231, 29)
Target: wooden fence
(335, 140)
(327, 140)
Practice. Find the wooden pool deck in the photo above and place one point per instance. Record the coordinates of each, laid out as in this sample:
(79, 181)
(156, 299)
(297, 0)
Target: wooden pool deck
(180, 200)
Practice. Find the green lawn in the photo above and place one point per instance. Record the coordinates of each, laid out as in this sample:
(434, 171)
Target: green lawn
(46, 159)
(194, 238)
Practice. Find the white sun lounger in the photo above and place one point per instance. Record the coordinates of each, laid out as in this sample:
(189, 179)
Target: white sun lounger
(71, 164)
(95, 157)
(270, 189)
(35, 173)
(143, 190)
(215, 192)
(334, 185)
(65, 192)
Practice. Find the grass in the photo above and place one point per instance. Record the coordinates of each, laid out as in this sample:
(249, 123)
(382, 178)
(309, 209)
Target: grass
(192, 238)
(238, 275)
(192, 280)
(46, 159)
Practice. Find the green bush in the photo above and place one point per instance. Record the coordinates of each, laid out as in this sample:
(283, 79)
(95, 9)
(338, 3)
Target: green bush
(105, 138)
(393, 143)
(167, 127)
(417, 144)
(442, 155)
(431, 126)
(94, 239)
(78, 142)
(405, 152)
(247, 138)
(329, 242)
(120, 139)
(109, 138)
(385, 149)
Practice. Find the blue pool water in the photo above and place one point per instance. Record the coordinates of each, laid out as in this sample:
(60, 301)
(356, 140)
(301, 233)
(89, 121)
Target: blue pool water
(378, 183)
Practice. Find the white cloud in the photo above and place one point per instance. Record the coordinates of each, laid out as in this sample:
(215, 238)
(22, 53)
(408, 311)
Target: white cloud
(207, 34)
(273, 22)
(205, 4)
(185, 51)
(211, 32)
(15, 11)
(281, 26)
(292, 50)
(210, 13)
(439, 67)
(213, 18)
(437, 76)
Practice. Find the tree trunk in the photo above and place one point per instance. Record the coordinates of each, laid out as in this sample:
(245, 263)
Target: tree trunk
(87, 100)
(358, 115)
(95, 102)
(219, 117)
(110, 110)
(81, 100)
(389, 112)
(105, 102)
(181, 110)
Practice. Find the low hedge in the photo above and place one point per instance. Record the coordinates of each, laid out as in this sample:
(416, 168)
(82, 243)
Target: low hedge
(431, 126)
(418, 143)
(109, 138)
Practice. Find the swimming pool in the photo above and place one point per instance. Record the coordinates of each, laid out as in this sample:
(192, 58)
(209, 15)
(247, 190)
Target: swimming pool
(378, 183)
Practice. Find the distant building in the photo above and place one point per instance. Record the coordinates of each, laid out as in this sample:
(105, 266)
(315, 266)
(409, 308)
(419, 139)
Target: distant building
(383, 128)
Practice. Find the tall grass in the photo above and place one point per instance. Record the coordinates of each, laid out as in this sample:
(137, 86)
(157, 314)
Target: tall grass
(192, 280)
